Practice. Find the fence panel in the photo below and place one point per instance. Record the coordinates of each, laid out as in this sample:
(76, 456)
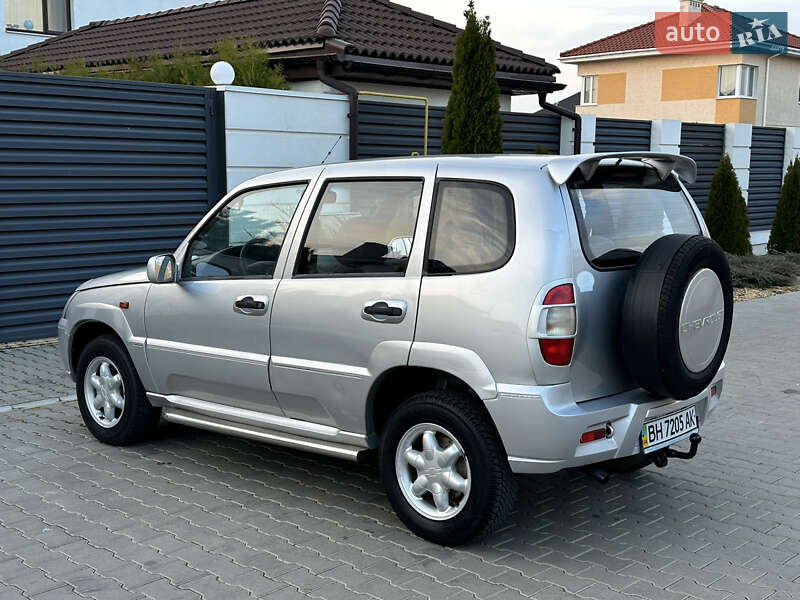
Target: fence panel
(398, 129)
(622, 135)
(705, 143)
(95, 177)
(766, 175)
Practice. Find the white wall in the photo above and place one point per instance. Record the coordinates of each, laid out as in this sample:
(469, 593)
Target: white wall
(271, 130)
(84, 12)
(436, 97)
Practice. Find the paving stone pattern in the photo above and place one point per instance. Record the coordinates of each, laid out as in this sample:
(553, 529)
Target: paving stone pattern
(197, 515)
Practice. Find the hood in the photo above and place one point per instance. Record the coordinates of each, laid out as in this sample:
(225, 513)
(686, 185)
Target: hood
(137, 275)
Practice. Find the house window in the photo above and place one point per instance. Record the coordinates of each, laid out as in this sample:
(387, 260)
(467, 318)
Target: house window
(589, 95)
(737, 81)
(38, 16)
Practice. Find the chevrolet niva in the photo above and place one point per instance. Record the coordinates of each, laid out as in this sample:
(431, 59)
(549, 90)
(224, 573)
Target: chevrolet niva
(468, 317)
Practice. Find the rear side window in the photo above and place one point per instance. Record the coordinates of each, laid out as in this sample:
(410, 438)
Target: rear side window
(622, 210)
(473, 228)
(361, 228)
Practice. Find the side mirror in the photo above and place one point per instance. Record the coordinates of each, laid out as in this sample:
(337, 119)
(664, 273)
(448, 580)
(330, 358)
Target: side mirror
(161, 268)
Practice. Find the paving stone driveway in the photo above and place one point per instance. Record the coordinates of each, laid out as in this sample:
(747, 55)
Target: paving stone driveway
(197, 515)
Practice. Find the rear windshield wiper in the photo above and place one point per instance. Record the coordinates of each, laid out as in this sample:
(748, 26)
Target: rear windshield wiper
(617, 257)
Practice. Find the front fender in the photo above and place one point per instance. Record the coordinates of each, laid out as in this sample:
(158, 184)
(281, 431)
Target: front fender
(102, 305)
(460, 362)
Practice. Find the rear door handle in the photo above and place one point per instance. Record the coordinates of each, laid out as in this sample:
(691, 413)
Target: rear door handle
(251, 305)
(384, 311)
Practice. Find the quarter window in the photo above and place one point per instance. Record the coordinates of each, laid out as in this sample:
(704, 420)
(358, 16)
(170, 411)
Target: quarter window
(361, 227)
(38, 16)
(738, 81)
(473, 228)
(589, 94)
(246, 236)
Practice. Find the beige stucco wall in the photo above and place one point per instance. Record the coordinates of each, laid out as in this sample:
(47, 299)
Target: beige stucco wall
(691, 89)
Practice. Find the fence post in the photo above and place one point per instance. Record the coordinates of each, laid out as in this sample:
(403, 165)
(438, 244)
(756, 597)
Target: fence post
(738, 140)
(588, 133)
(665, 136)
(792, 149)
(567, 136)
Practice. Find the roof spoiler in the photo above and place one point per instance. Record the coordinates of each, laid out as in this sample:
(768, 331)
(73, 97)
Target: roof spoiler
(562, 168)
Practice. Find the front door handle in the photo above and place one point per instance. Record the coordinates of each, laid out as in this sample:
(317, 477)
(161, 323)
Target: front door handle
(251, 305)
(384, 311)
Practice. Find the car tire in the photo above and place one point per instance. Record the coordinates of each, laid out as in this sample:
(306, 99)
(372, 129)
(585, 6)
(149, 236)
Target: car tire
(478, 491)
(677, 315)
(111, 397)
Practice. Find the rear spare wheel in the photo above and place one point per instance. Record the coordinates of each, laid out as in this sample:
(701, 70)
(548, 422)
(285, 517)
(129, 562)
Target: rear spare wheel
(676, 316)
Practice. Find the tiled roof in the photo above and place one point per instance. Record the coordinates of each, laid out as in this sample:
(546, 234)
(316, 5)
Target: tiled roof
(641, 37)
(374, 28)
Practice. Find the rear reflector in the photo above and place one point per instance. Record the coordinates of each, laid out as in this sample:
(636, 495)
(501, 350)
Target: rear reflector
(594, 435)
(556, 352)
(714, 390)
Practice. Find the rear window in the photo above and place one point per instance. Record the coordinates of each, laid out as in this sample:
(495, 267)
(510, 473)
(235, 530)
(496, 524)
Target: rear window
(622, 210)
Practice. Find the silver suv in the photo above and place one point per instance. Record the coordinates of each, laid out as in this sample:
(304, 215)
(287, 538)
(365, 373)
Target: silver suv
(466, 317)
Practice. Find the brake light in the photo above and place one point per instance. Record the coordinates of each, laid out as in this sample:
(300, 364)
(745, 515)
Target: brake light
(559, 325)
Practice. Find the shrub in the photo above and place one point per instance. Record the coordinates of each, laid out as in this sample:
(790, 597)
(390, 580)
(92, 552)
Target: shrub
(251, 65)
(785, 234)
(772, 270)
(726, 214)
(472, 123)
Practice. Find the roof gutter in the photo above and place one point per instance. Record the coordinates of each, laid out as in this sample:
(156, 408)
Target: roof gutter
(352, 94)
(575, 117)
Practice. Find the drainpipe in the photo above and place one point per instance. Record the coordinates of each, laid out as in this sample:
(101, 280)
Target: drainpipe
(352, 94)
(766, 91)
(564, 113)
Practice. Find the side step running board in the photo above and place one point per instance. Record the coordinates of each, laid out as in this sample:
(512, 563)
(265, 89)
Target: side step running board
(175, 415)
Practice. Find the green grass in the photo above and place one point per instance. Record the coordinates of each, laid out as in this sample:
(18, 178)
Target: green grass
(770, 270)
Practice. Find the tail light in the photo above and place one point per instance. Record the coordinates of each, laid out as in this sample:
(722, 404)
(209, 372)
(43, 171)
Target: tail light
(557, 325)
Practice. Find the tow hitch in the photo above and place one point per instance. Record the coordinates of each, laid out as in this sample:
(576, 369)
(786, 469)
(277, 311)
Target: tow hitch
(661, 457)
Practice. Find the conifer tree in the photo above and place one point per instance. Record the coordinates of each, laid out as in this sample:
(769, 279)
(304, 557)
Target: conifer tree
(726, 214)
(472, 123)
(785, 234)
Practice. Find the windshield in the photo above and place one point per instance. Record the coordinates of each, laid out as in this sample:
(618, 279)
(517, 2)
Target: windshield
(621, 210)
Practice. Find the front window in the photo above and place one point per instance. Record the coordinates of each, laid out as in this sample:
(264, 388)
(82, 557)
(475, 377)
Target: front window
(361, 228)
(621, 210)
(38, 16)
(738, 81)
(589, 94)
(245, 238)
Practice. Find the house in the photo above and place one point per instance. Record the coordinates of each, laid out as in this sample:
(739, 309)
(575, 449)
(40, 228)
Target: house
(26, 22)
(323, 45)
(625, 76)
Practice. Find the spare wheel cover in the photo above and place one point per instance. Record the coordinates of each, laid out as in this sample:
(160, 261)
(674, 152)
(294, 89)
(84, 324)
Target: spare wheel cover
(702, 320)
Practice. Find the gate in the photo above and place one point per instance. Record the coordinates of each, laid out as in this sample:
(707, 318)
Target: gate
(95, 176)
(705, 144)
(766, 175)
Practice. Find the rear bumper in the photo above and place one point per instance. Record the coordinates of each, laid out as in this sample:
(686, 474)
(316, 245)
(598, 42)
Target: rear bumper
(541, 426)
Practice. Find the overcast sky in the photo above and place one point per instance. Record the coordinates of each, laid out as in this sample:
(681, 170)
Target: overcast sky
(548, 27)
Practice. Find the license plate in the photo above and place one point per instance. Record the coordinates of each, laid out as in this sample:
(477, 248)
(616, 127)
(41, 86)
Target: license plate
(668, 429)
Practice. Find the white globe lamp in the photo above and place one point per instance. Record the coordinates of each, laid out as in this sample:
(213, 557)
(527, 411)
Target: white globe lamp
(222, 73)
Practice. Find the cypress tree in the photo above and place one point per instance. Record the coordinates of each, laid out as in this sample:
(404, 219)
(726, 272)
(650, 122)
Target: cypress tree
(785, 234)
(726, 214)
(472, 123)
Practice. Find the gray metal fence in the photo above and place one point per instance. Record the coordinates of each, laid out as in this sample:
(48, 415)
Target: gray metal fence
(705, 143)
(95, 176)
(621, 135)
(397, 129)
(766, 175)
